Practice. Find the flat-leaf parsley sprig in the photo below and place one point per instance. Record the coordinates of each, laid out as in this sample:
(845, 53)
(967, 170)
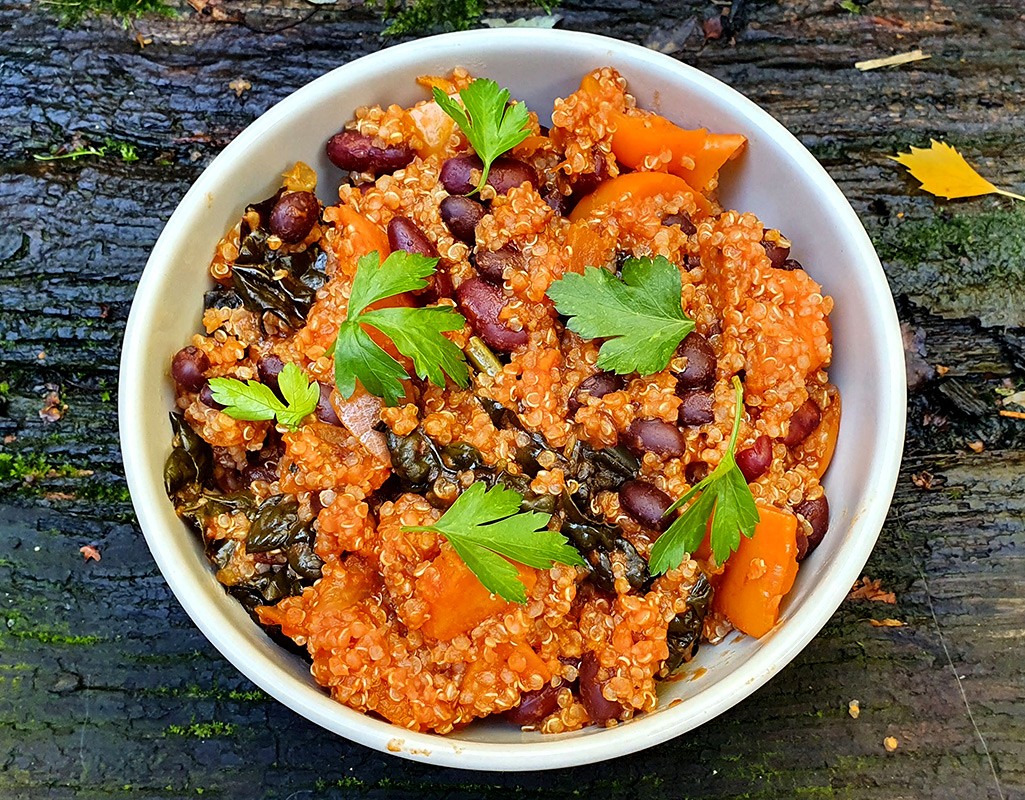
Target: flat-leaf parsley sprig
(416, 332)
(492, 125)
(255, 401)
(640, 317)
(725, 496)
(486, 531)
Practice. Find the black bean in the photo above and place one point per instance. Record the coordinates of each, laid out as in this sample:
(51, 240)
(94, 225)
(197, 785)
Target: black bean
(508, 173)
(491, 264)
(756, 459)
(597, 385)
(481, 304)
(188, 366)
(325, 411)
(461, 215)
(645, 504)
(535, 706)
(269, 367)
(457, 173)
(294, 216)
(816, 512)
(404, 234)
(777, 254)
(556, 200)
(696, 408)
(356, 152)
(598, 708)
(206, 397)
(701, 363)
(696, 471)
(655, 436)
(267, 472)
(802, 423)
(684, 222)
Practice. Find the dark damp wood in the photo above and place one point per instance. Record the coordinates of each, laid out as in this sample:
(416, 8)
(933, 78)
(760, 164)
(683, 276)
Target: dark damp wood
(108, 690)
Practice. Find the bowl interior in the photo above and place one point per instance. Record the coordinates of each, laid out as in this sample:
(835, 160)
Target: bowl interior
(776, 179)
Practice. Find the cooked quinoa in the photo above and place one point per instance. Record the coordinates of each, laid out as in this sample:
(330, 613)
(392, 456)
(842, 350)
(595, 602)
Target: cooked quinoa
(306, 524)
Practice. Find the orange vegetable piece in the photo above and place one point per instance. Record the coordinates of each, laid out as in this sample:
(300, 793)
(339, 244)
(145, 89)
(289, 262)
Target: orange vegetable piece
(366, 236)
(823, 438)
(718, 149)
(637, 137)
(589, 247)
(456, 599)
(633, 187)
(435, 127)
(519, 658)
(760, 573)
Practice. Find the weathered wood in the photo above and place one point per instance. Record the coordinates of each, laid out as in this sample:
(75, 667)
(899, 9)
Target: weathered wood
(107, 689)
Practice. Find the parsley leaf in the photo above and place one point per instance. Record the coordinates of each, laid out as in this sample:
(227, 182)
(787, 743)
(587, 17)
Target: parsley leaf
(640, 316)
(416, 332)
(724, 496)
(485, 529)
(491, 125)
(254, 401)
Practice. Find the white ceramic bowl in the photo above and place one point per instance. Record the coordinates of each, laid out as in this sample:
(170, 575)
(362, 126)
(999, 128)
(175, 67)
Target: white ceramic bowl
(777, 179)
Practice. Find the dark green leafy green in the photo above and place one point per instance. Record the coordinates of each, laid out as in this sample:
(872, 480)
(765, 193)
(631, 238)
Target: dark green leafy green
(190, 465)
(640, 317)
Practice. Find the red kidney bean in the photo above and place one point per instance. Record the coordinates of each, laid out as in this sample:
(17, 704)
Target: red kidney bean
(206, 397)
(691, 262)
(802, 423)
(684, 222)
(507, 173)
(791, 264)
(696, 408)
(597, 385)
(645, 504)
(461, 215)
(756, 459)
(701, 363)
(816, 512)
(481, 304)
(269, 367)
(586, 182)
(294, 216)
(325, 411)
(777, 255)
(535, 706)
(188, 366)
(598, 708)
(491, 264)
(457, 173)
(356, 152)
(404, 234)
(655, 436)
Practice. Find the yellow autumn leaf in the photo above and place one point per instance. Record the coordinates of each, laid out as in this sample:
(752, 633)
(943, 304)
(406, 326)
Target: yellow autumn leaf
(944, 172)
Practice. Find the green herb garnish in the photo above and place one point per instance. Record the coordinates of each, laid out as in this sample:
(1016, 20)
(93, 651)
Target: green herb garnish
(491, 124)
(485, 529)
(253, 400)
(725, 496)
(640, 316)
(416, 332)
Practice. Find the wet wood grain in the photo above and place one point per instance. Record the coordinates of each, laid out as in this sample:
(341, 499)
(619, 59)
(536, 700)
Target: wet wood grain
(108, 690)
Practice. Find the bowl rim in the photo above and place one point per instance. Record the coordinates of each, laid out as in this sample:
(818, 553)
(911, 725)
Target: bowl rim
(558, 751)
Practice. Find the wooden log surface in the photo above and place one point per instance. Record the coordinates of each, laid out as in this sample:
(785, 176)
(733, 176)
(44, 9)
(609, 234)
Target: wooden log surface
(108, 690)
